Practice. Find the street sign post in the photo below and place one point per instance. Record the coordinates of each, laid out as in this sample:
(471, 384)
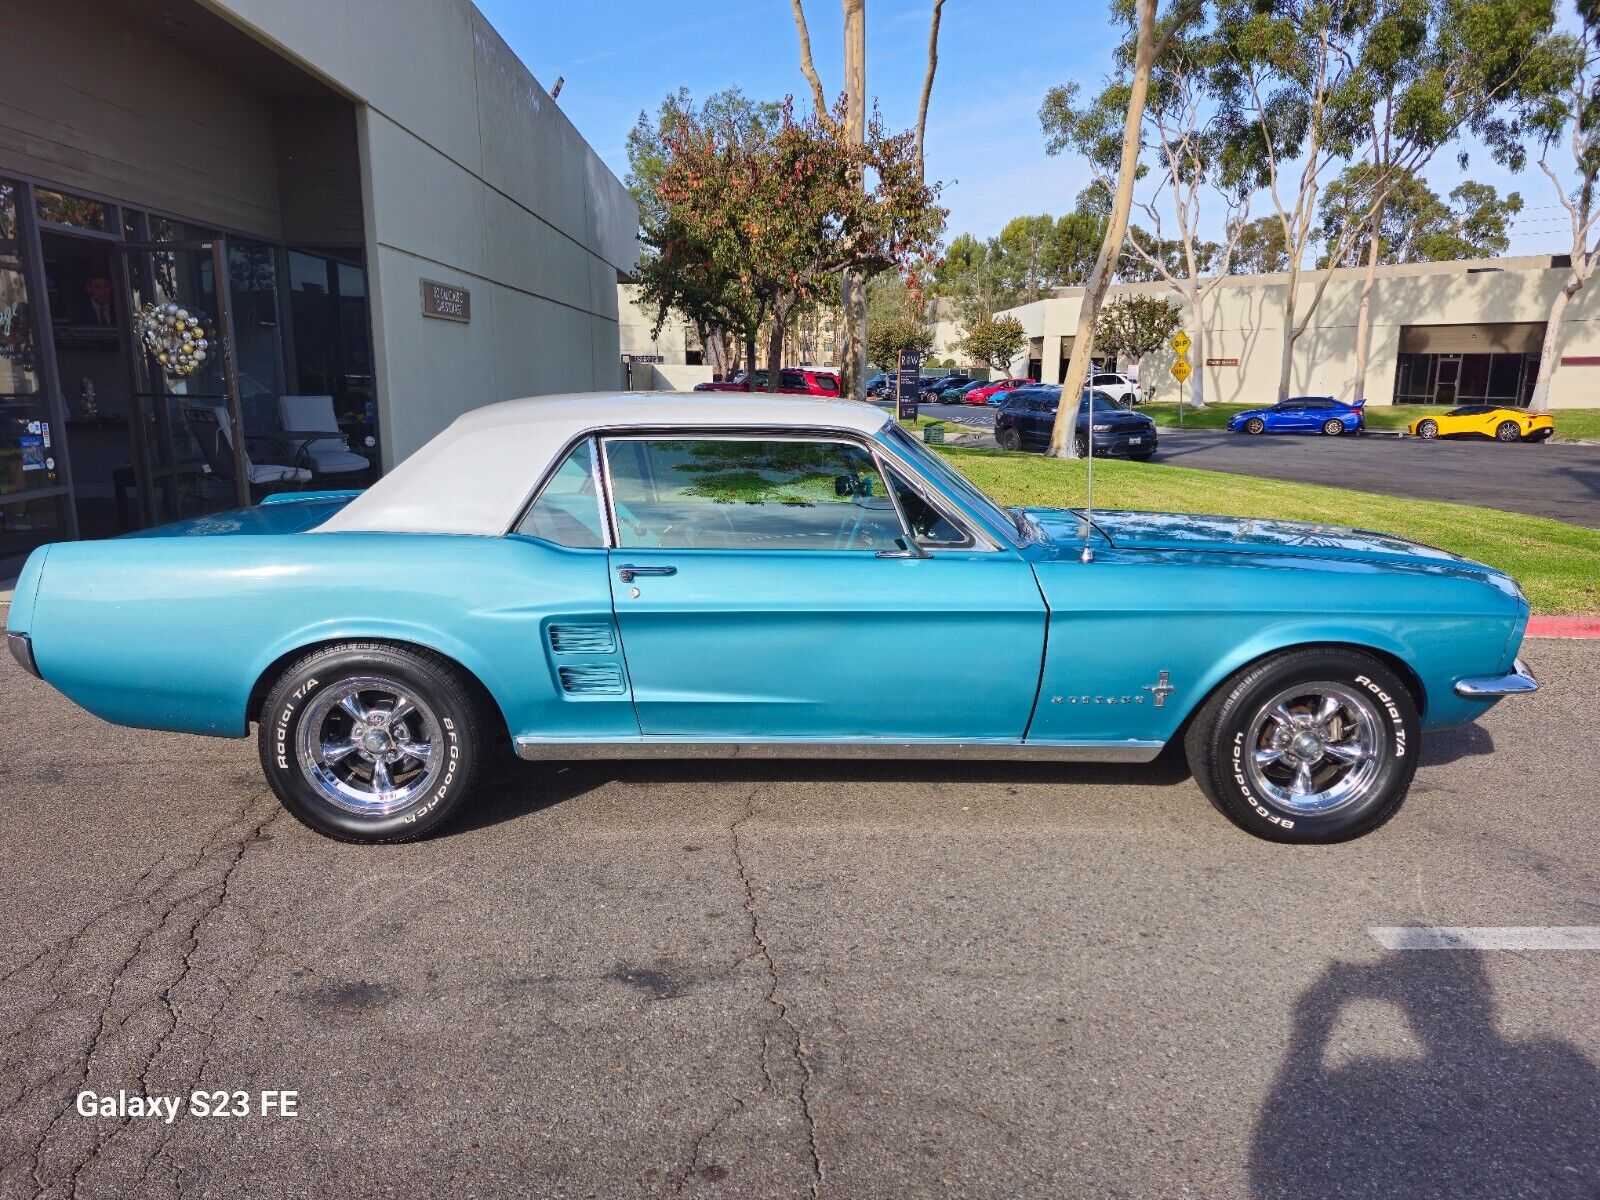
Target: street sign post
(1180, 367)
(906, 385)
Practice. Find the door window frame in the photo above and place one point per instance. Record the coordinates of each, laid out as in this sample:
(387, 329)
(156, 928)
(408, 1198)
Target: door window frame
(884, 461)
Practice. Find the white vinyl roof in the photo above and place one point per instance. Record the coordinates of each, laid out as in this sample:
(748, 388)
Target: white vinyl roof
(475, 476)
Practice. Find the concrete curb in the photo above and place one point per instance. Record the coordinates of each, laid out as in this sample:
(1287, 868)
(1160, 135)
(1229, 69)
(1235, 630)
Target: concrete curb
(1564, 627)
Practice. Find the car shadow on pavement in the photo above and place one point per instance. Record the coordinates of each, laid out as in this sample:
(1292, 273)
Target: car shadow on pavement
(515, 789)
(1460, 1112)
(1445, 746)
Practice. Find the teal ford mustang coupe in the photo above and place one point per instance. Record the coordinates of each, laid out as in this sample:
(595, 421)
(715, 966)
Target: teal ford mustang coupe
(740, 575)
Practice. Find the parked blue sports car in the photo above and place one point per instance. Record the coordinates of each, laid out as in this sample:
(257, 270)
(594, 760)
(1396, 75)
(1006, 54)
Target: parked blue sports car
(1302, 414)
(712, 574)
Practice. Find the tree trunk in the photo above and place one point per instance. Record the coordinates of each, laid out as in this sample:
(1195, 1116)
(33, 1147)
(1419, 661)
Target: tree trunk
(1196, 383)
(1291, 291)
(1063, 442)
(853, 288)
(1364, 313)
(750, 353)
(1540, 401)
(780, 320)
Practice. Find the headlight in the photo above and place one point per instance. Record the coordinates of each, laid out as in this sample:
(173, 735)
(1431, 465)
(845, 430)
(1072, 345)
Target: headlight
(1102, 429)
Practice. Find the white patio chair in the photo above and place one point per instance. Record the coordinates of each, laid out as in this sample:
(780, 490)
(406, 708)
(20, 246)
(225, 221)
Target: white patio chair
(330, 455)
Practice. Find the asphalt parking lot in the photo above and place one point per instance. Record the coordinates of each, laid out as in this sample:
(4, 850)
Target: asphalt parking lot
(1554, 479)
(748, 979)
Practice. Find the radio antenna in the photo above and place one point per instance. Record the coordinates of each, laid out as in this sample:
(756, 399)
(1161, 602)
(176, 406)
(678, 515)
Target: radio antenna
(1086, 401)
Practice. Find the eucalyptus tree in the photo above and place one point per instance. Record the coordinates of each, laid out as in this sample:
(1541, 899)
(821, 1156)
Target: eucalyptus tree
(1194, 160)
(1416, 223)
(1307, 84)
(1557, 120)
(853, 126)
(1149, 36)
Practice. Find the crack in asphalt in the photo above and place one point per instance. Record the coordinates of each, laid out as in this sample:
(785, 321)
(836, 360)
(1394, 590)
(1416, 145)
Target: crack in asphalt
(219, 856)
(796, 1048)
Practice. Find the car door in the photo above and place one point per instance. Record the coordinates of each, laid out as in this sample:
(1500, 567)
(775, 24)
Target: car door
(764, 591)
(1292, 417)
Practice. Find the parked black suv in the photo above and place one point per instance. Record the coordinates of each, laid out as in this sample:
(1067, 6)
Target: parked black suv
(1024, 420)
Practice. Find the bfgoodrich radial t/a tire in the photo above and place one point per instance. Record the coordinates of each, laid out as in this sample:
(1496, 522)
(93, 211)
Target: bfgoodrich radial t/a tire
(1315, 745)
(367, 742)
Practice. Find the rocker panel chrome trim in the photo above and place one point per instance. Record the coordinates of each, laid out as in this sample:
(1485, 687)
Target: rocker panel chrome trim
(1106, 752)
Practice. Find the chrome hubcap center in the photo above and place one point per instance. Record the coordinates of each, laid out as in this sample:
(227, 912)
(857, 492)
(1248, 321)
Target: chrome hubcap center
(1306, 746)
(377, 741)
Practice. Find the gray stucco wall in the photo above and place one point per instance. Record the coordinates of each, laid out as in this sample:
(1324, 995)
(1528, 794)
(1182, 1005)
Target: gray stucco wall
(474, 177)
(91, 100)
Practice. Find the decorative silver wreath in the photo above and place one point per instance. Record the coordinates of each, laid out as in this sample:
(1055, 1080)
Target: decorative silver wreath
(175, 337)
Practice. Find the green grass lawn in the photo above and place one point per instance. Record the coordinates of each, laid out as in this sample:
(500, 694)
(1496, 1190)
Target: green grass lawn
(1572, 424)
(1558, 565)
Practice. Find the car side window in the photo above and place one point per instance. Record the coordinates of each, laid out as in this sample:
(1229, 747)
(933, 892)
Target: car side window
(567, 511)
(791, 379)
(827, 383)
(928, 525)
(748, 494)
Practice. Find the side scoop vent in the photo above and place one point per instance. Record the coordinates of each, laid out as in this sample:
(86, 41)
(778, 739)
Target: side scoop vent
(583, 639)
(600, 679)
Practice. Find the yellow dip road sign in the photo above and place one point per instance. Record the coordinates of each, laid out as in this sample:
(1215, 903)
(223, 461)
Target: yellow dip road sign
(1181, 343)
(1181, 369)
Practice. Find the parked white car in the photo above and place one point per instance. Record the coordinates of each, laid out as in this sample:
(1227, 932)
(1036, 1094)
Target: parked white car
(1120, 388)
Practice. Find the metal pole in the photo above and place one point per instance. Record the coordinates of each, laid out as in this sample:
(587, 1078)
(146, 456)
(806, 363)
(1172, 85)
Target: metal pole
(1088, 487)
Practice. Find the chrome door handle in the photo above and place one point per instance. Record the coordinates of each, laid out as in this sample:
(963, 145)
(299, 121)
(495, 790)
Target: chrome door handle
(627, 572)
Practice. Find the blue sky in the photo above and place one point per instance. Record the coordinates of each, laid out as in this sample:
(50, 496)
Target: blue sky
(997, 59)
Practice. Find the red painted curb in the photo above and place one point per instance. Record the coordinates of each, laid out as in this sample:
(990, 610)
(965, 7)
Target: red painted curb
(1564, 627)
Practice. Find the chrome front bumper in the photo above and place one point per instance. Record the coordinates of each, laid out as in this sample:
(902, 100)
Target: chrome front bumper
(1489, 687)
(21, 648)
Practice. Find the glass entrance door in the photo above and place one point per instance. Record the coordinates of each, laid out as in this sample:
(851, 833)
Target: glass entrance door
(190, 456)
(1444, 387)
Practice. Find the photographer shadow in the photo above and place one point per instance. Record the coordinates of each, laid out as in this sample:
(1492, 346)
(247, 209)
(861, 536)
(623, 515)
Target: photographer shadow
(1471, 1114)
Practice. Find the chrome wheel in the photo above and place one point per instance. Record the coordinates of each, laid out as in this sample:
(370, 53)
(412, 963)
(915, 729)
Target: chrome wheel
(1315, 748)
(370, 746)
(1428, 429)
(1508, 432)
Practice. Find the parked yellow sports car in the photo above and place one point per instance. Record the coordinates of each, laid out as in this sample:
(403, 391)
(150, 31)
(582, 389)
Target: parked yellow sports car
(1486, 420)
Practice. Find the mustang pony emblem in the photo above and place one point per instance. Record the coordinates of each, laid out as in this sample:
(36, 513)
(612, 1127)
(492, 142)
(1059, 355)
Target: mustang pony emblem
(1161, 688)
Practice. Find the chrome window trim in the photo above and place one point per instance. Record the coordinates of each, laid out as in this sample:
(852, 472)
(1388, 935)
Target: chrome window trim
(833, 437)
(985, 538)
(890, 467)
(607, 534)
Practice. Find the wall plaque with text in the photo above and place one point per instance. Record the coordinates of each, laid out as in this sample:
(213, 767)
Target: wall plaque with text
(446, 301)
(1222, 362)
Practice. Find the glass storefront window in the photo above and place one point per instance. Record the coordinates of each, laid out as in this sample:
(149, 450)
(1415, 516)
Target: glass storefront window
(63, 208)
(332, 347)
(28, 444)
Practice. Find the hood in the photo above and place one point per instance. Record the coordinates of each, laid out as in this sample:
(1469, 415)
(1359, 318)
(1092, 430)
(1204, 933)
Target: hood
(1239, 535)
(1191, 531)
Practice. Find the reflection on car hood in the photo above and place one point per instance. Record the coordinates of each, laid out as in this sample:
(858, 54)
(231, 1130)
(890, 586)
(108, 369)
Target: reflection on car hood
(1190, 531)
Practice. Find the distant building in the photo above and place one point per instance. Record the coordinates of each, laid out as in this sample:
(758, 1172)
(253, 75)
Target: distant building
(1442, 333)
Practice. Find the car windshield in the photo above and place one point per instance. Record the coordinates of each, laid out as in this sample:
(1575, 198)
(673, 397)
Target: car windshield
(1102, 404)
(931, 464)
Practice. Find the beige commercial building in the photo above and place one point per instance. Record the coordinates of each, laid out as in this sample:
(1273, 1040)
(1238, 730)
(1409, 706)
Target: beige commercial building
(1442, 333)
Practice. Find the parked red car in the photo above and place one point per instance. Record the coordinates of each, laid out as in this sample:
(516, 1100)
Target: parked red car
(791, 382)
(980, 395)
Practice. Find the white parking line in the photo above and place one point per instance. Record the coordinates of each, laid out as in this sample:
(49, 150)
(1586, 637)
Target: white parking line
(1509, 937)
